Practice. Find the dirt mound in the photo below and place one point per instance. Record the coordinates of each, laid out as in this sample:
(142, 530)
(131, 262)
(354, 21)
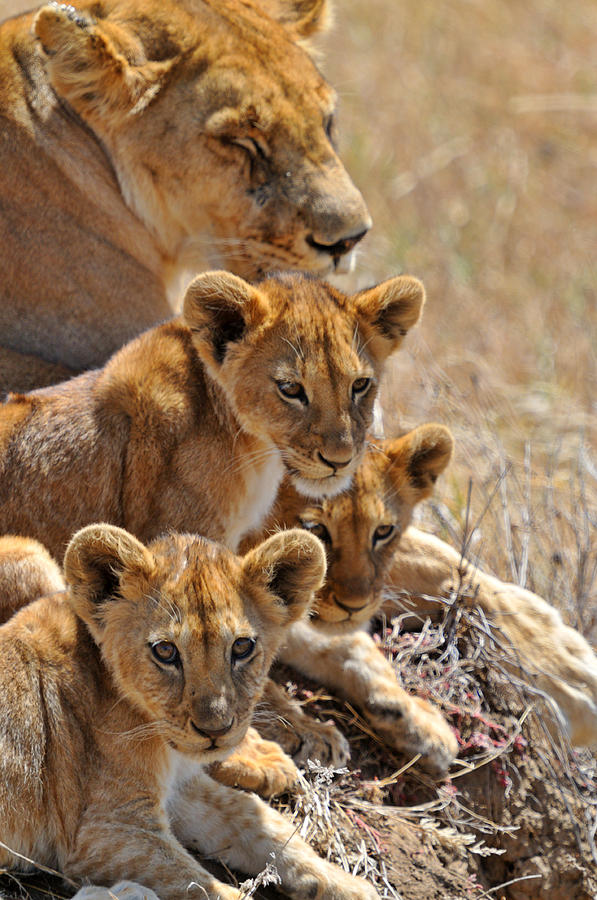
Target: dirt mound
(516, 819)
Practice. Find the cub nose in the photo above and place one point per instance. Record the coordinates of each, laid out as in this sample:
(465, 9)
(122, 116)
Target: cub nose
(349, 609)
(212, 733)
(334, 464)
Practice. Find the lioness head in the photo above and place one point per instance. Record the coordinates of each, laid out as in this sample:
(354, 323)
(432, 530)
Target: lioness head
(217, 123)
(188, 630)
(361, 527)
(299, 362)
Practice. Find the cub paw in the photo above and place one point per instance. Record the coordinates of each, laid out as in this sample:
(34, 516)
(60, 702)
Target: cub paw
(123, 890)
(347, 887)
(322, 742)
(411, 725)
(257, 765)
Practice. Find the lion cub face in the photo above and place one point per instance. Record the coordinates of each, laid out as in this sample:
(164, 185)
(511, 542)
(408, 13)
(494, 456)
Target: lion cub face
(361, 528)
(299, 363)
(187, 629)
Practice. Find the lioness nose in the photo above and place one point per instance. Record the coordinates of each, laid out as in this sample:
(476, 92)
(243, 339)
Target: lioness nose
(212, 733)
(335, 464)
(340, 247)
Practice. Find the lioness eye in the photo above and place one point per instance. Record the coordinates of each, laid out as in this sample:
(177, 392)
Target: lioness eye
(360, 386)
(243, 647)
(251, 146)
(382, 533)
(329, 128)
(319, 530)
(293, 390)
(165, 652)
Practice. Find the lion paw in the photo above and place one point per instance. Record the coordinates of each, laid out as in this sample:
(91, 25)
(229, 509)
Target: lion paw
(257, 765)
(124, 890)
(322, 742)
(411, 725)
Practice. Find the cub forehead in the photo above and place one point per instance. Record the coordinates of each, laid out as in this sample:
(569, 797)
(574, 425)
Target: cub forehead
(196, 578)
(307, 314)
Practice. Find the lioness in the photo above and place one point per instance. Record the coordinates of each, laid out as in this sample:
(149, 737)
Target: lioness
(376, 562)
(142, 138)
(115, 695)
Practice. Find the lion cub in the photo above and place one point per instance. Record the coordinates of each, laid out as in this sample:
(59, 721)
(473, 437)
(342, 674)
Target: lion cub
(376, 562)
(115, 695)
(192, 426)
(359, 529)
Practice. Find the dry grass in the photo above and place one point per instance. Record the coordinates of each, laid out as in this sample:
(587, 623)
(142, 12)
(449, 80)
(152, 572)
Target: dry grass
(471, 128)
(514, 764)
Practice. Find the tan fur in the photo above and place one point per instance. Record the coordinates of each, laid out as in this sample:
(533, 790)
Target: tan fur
(330, 648)
(103, 741)
(145, 138)
(403, 575)
(187, 428)
(27, 571)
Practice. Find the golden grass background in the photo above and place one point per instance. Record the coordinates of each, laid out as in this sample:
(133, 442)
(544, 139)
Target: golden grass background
(471, 128)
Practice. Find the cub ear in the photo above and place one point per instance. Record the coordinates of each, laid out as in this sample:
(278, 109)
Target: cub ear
(218, 308)
(387, 312)
(291, 565)
(95, 559)
(418, 458)
(88, 66)
(303, 18)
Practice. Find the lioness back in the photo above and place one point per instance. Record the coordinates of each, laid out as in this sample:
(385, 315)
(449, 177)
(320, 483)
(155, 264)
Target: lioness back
(192, 425)
(146, 138)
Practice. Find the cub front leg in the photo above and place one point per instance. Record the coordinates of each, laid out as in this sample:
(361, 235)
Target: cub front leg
(301, 735)
(352, 665)
(123, 890)
(257, 765)
(243, 832)
(144, 850)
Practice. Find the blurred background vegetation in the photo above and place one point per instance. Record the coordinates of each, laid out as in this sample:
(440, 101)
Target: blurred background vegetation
(471, 128)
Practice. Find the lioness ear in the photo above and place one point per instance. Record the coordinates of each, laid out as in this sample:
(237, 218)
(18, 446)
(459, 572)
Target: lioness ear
(387, 312)
(303, 18)
(94, 562)
(418, 458)
(87, 65)
(218, 308)
(290, 564)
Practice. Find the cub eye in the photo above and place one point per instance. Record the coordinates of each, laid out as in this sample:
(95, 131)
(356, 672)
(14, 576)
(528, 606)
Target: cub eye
(360, 386)
(293, 390)
(383, 533)
(243, 647)
(319, 530)
(165, 652)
